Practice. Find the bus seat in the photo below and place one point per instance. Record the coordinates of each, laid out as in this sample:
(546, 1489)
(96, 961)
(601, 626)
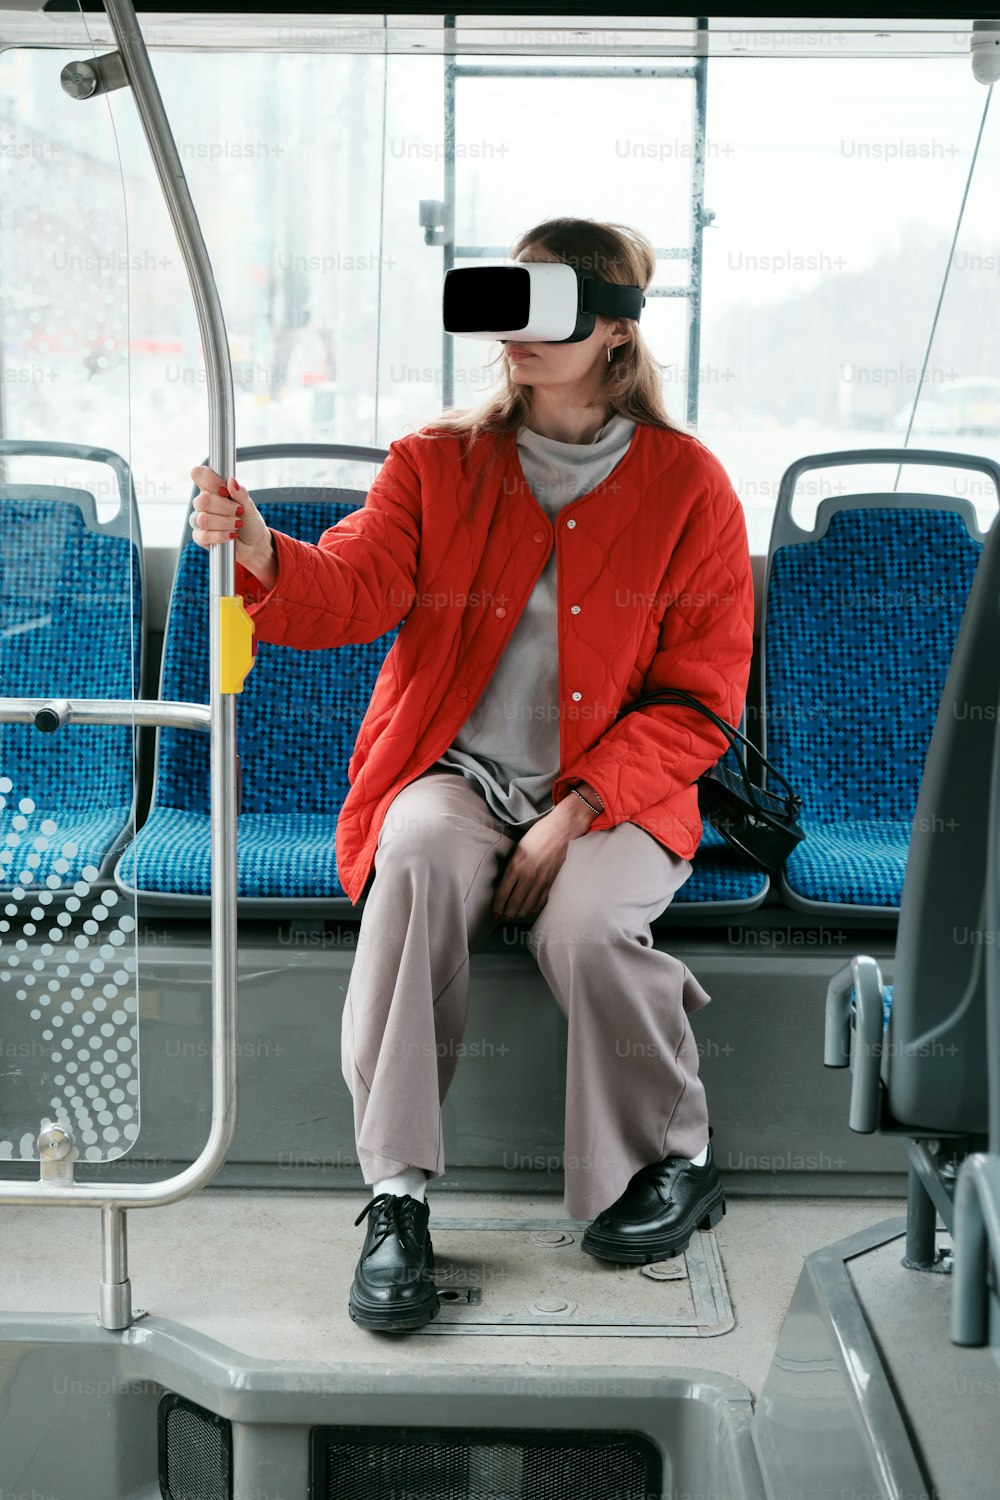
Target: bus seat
(71, 626)
(297, 722)
(929, 1078)
(860, 620)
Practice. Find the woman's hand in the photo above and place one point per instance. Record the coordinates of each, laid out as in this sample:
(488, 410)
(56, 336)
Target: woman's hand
(224, 512)
(537, 859)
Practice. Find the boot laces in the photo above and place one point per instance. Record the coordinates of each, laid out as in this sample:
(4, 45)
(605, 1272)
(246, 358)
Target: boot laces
(391, 1215)
(662, 1175)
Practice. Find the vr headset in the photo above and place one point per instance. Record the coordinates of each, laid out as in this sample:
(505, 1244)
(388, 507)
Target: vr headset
(546, 301)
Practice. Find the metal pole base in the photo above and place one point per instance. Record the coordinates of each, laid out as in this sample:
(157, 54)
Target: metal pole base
(116, 1289)
(116, 1305)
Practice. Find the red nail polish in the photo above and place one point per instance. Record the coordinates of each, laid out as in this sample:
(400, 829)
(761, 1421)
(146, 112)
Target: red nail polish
(232, 536)
(239, 510)
(224, 493)
(238, 525)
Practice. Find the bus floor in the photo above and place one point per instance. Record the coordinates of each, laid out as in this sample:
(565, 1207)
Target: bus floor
(267, 1273)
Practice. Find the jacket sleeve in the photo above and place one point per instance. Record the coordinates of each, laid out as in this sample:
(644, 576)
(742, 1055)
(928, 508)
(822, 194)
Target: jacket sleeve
(357, 581)
(705, 646)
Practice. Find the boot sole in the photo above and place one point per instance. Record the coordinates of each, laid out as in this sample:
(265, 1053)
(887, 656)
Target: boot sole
(393, 1319)
(639, 1254)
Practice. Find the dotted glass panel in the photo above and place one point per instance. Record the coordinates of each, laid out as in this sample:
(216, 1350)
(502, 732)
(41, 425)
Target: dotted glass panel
(69, 1039)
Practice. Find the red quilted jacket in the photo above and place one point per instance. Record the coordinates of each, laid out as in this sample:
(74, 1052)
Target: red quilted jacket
(654, 589)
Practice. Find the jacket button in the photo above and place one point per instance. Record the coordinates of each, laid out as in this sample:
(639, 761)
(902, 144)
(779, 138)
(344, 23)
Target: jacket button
(463, 692)
(500, 612)
(577, 697)
(570, 523)
(574, 609)
(539, 536)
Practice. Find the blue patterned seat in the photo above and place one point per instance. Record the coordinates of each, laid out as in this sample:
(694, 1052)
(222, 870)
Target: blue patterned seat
(297, 722)
(860, 626)
(71, 612)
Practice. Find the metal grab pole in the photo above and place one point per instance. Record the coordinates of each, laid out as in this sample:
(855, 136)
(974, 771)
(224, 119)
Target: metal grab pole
(131, 66)
(222, 458)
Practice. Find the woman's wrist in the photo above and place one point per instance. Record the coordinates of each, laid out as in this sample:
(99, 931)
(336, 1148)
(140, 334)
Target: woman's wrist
(585, 804)
(260, 560)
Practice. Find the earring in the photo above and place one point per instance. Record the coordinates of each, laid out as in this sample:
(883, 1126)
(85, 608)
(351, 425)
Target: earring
(608, 347)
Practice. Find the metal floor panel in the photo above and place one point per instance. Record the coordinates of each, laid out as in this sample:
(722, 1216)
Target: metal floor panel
(528, 1277)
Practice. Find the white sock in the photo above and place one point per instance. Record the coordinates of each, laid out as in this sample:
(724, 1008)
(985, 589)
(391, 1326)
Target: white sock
(413, 1181)
(701, 1158)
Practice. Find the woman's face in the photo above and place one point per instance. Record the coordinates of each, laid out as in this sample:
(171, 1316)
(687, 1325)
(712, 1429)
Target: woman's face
(547, 364)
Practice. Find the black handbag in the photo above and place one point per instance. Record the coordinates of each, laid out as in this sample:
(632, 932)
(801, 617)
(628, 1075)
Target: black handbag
(762, 824)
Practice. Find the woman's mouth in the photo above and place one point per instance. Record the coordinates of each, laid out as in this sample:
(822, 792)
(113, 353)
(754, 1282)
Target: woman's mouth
(513, 352)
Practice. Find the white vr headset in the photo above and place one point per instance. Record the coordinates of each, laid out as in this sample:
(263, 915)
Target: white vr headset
(547, 301)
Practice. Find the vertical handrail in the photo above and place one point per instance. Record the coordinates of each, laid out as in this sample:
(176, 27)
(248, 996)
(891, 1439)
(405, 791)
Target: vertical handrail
(130, 66)
(699, 220)
(448, 217)
(222, 574)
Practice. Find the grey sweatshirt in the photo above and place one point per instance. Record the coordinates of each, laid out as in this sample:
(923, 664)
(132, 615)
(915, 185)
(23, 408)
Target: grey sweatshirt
(510, 741)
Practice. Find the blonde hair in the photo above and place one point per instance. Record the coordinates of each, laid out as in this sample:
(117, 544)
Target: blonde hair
(632, 380)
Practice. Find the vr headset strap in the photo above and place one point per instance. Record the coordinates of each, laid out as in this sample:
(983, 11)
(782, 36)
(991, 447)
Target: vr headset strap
(610, 300)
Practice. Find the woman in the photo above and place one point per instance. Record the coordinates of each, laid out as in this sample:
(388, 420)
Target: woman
(490, 779)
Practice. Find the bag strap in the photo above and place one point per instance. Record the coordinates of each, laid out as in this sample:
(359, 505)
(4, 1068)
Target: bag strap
(684, 699)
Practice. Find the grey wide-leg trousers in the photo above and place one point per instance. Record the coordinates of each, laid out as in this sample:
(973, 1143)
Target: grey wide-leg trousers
(633, 1095)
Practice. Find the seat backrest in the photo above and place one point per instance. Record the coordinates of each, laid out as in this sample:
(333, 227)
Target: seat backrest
(993, 942)
(935, 1063)
(860, 619)
(71, 626)
(299, 713)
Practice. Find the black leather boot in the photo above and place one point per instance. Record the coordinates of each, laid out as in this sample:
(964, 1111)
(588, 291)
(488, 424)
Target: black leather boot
(658, 1212)
(392, 1284)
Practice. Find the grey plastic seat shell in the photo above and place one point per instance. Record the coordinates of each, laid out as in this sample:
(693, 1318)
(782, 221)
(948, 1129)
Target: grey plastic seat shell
(975, 1306)
(935, 1066)
(787, 532)
(993, 948)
